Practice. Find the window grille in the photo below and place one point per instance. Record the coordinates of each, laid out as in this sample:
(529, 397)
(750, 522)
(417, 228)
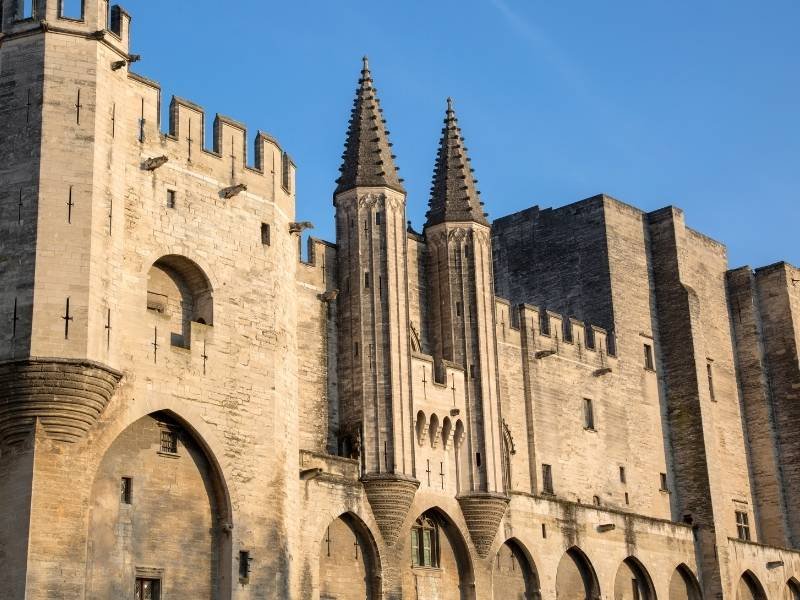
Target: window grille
(148, 589)
(743, 525)
(648, 358)
(425, 543)
(547, 479)
(169, 441)
(126, 490)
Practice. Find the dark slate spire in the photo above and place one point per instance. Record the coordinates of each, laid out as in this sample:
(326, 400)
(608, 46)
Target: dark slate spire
(368, 159)
(453, 193)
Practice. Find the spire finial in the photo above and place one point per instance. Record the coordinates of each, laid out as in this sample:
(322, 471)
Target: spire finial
(449, 104)
(365, 63)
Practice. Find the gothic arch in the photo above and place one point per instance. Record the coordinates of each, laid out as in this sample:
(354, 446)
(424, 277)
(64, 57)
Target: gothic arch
(750, 588)
(453, 576)
(159, 509)
(576, 578)
(514, 575)
(633, 582)
(349, 561)
(793, 589)
(683, 584)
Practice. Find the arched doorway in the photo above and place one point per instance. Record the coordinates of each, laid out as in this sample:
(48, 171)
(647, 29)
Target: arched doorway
(159, 516)
(348, 561)
(514, 576)
(792, 589)
(683, 585)
(633, 582)
(439, 564)
(576, 578)
(750, 588)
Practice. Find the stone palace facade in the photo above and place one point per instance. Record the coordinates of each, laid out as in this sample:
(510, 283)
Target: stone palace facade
(574, 403)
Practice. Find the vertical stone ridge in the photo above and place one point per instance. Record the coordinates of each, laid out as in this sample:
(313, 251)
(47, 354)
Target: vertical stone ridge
(367, 160)
(454, 196)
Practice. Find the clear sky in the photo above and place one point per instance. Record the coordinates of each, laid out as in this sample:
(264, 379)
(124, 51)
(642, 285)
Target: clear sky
(655, 102)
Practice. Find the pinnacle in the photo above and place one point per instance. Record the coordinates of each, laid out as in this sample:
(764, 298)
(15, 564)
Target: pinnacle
(367, 160)
(454, 196)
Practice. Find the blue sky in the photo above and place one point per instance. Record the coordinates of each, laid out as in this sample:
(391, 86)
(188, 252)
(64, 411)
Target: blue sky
(654, 102)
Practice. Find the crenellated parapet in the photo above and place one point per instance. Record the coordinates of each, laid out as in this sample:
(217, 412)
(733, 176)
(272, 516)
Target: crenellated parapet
(552, 334)
(66, 397)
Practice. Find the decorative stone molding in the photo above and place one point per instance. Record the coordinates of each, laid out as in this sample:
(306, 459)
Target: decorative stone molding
(390, 497)
(371, 200)
(66, 397)
(483, 512)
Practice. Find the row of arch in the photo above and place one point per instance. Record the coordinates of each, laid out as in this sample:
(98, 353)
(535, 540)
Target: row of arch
(433, 431)
(349, 561)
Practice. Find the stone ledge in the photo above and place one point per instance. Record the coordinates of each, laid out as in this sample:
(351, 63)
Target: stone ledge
(66, 396)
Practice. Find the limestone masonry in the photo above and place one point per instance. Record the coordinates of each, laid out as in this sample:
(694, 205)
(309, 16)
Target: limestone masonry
(577, 403)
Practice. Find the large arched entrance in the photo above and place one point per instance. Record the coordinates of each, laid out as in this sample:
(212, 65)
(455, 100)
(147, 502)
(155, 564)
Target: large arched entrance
(159, 517)
(633, 582)
(683, 585)
(440, 566)
(349, 566)
(576, 578)
(514, 576)
(750, 588)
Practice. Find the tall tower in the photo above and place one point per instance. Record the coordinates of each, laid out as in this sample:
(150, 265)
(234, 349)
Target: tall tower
(373, 313)
(461, 288)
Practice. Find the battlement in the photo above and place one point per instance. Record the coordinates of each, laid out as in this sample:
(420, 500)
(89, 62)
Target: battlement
(552, 334)
(95, 19)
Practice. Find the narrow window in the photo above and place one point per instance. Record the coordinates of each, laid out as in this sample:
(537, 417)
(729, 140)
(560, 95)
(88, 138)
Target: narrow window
(366, 281)
(141, 124)
(648, 358)
(743, 525)
(244, 564)
(710, 373)
(596, 500)
(544, 531)
(458, 309)
(588, 414)
(265, 234)
(285, 179)
(169, 441)
(472, 371)
(377, 218)
(355, 350)
(126, 490)
(547, 479)
(171, 198)
(478, 459)
(26, 9)
(71, 9)
(148, 589)
(663, 479)
(627, 500)
(622, 477)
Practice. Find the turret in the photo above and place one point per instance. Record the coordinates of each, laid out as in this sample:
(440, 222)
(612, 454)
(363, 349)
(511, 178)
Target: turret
(461, 297)
(373, 318)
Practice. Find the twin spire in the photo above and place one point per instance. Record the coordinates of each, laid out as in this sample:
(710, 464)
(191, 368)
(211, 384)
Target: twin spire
(368, 160)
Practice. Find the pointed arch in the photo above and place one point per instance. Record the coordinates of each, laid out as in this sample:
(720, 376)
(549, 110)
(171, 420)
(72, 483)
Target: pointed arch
(349, 561)
(750, 588)
(160, 470)
(633, 582)
(793, 589)
(514, 574)
(433, 430)
(683, 584)
(576, 578)
(450, 576)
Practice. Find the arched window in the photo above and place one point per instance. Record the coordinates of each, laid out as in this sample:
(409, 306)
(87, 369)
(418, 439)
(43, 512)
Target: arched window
(425, 542)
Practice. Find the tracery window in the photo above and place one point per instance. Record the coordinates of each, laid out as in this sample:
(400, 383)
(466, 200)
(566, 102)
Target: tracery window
(425, 543)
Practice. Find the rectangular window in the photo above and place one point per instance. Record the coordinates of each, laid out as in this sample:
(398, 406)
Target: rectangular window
(627, 500)
(663, 482)
(25, 9)
(265, 234)
(377, 218)
(743, 525)
(169, 441)
(415, 547)
(366, 280)
(588, 414)
(171, 197)
(71, 9)
(459, 310)
(148, 589)
(285, 178)
(547, 479)
(244, 564)
(622, 477)
(544, 531)
(648, 358)
(126, 490)
(710, 374)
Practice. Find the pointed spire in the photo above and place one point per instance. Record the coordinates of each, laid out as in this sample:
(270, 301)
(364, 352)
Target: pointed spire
(367, 158)
(453, 193)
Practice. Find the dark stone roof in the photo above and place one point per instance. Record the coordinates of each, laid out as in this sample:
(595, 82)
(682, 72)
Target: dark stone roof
(367, 160)
(453, 193)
